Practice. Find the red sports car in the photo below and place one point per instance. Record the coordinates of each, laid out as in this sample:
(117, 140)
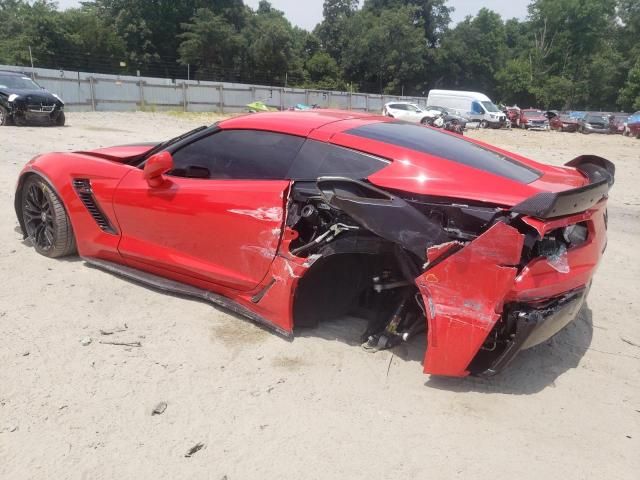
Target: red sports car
(292, 218)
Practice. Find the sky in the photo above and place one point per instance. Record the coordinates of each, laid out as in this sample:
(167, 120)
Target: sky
(307, 13)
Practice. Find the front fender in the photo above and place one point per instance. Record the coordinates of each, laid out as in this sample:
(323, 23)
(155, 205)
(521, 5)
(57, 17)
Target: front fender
(59, 170)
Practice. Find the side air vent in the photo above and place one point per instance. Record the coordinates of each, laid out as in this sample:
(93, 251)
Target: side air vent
(82, 187)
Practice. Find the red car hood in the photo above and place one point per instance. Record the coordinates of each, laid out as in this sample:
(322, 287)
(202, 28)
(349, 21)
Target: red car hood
(121, 153)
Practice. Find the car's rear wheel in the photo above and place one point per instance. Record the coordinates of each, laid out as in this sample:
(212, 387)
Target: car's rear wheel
(484, 124)
(45, 220)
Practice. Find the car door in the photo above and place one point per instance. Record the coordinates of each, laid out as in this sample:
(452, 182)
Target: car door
(218, 216)
(399, 111)
(414, 114)
(477, 111)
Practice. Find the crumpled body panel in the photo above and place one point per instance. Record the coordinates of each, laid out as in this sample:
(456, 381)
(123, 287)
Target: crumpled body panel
(464, 296)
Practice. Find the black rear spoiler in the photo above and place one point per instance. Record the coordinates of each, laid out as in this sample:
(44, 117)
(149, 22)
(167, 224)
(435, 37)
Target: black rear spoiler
(601, 175)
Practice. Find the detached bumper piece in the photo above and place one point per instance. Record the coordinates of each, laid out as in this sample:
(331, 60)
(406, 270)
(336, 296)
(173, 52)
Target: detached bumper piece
(531, 325)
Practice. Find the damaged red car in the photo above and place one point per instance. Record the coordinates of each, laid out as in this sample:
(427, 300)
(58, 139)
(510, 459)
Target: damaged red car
(293, 218)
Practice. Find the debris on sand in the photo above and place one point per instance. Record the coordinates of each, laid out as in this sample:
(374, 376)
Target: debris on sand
(159, 408)
(123, 344)
(196, 448)
(114, 330)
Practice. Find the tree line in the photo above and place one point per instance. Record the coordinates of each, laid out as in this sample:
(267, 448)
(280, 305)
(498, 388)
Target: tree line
(578, 54)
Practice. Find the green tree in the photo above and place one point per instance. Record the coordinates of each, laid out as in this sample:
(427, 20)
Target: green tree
(331, 31)
(210, 42)
(629, 98)
(270, 47)
(386, 52)
(473, 52)
(323, 72)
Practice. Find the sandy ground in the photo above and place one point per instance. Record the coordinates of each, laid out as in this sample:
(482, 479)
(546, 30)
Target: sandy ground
(318, 407)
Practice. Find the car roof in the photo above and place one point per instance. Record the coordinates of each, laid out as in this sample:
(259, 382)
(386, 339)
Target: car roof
(300, 123)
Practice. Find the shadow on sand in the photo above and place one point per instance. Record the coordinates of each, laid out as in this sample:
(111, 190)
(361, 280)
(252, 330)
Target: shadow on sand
(530, 372)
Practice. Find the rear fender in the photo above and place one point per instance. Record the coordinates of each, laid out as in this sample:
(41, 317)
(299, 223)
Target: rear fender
(464, 295)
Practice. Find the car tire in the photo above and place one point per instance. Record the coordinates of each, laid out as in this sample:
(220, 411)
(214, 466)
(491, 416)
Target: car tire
(424, 121)
(5, 119)
(484, 124)
(45, 219)
(60, 120)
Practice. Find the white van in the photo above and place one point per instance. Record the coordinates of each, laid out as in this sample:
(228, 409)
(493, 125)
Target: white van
(474, 105)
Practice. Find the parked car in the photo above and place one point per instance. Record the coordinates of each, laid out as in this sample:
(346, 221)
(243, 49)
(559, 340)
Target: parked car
(562, 122)
(409, 112)
(577, 115)
(476, 106)
(513, 115)
(594, 123)
(450, 116)
(531, 118)
(632, 127)
(293, 218)
(617, 122)
(23, 101)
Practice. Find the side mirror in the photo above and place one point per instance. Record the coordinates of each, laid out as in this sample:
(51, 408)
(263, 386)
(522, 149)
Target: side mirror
(156, 166)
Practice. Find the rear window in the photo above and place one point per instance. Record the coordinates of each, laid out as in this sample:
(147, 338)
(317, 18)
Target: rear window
(452, 148)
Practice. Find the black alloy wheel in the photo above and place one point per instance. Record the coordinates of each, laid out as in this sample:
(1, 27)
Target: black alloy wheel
(45, 219)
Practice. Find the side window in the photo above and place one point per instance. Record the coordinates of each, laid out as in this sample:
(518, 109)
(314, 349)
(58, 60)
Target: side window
(238, 154)
(398, 106)
(476, 108)
(318, 159)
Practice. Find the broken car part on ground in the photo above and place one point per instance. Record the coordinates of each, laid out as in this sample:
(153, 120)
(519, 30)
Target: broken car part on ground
(293, 218)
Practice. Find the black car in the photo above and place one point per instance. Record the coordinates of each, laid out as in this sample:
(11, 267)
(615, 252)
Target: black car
(23, 101)
(450, 115)
(594, 123)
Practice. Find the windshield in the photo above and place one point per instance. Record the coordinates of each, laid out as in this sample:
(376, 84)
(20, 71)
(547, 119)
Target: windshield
(413, 108)
(532, 114)
(19, 83)
(490, 107)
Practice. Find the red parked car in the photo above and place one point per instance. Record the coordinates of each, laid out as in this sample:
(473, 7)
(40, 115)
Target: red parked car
(563, 123)
(533, 119)
(617, 122)
(293, 218)
(632, 128)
